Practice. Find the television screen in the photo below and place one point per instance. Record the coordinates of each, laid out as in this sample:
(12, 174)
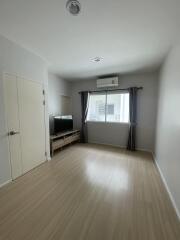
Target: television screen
(62, 124)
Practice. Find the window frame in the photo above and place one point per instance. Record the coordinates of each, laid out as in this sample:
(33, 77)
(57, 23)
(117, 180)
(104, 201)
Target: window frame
(105, 121)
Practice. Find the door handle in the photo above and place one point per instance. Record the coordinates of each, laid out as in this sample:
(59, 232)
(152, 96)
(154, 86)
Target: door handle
(11, 133)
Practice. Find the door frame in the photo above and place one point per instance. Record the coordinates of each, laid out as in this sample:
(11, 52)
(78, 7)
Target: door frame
(6, 123)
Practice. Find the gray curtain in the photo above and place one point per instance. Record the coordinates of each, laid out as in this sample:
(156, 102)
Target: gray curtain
(84, 111)
(131, 145)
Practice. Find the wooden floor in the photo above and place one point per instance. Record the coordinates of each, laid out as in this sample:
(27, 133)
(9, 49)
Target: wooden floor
(89, 192)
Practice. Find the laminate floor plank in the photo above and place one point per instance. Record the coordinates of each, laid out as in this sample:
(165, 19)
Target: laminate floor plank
(89, 192)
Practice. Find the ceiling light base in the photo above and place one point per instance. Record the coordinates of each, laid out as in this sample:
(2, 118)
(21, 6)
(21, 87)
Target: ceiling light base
(74, 7)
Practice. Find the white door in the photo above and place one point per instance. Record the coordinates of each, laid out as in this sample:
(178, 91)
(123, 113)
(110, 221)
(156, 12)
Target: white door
(12, 116)
(25, 121)
(32, 124)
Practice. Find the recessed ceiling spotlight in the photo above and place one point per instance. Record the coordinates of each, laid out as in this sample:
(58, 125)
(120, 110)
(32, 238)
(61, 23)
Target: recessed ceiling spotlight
(73, 6)
(97, 59)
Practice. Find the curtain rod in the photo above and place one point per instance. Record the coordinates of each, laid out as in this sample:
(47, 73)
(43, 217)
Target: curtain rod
(109, 90)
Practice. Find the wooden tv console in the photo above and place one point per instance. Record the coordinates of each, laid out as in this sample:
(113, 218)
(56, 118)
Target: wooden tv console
(60, 140)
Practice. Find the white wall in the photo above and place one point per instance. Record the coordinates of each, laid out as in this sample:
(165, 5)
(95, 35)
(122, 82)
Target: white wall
(58, 87)
(19, 61)
(114, 133)
(167, 151)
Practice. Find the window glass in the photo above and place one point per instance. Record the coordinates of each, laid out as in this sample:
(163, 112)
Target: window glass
(97, 103)
(109, 107)
(117, 107)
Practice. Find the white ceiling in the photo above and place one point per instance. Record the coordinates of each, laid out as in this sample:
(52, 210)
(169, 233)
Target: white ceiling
(130, 35)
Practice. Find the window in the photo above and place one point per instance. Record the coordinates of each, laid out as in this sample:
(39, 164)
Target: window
(109, 107)
(117, 107)
(97, 104)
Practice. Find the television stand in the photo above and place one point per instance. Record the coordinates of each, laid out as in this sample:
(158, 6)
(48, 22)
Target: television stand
(62, 139)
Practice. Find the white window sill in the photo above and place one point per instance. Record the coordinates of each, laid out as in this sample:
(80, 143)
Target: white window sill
(121, 123)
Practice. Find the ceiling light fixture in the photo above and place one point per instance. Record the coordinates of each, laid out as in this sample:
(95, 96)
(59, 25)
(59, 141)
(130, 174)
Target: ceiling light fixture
(97, 59)
(73, 6)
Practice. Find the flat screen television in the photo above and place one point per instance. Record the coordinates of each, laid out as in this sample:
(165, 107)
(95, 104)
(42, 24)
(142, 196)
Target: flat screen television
(62, 124)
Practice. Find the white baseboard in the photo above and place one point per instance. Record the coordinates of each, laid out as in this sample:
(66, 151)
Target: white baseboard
(167, 189)
(144, 150)
(123, 147)
(5, 183)
(106, 144)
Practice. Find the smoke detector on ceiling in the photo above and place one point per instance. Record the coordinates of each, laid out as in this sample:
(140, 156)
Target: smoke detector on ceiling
(73, 6)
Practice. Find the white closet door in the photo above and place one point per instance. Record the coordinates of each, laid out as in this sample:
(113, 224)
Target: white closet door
(12, 116)
(32, 125)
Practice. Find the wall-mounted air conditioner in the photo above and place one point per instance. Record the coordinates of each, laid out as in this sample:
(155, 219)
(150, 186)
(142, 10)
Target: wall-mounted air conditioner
(107, 82)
